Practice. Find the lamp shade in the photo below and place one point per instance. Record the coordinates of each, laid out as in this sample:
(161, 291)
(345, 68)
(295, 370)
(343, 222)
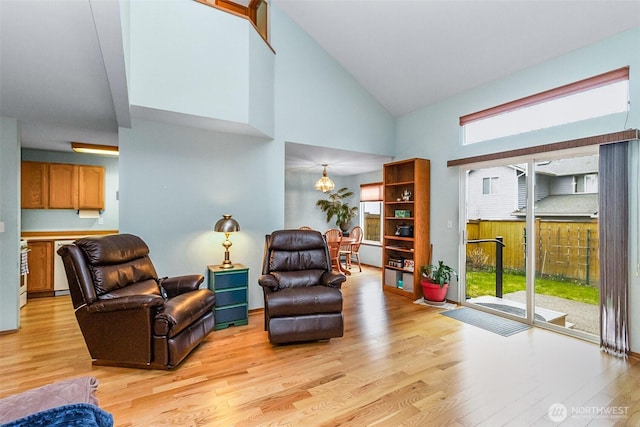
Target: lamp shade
(227, 224)
(324, 184)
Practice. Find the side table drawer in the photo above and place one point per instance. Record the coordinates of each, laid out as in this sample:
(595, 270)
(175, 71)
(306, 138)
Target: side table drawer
(235, 296)
(236, 315)
(231, 280)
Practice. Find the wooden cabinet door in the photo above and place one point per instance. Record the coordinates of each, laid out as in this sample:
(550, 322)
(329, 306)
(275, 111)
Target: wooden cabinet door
(40, 258)
(63, 186)
(91, 187)
(34, 179)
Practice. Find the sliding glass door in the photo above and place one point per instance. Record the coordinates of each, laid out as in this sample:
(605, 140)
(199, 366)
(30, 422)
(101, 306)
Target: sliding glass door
(566, 243)
(495, 276)
(531, 241)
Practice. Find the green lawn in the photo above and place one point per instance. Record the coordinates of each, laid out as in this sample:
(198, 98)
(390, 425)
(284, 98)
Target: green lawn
(482, 283)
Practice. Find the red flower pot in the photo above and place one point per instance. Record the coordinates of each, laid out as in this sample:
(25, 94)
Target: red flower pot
(433, 291)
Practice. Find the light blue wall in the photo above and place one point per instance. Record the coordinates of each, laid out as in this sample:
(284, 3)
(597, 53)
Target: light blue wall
(10, 215)
(317, 102)
(178, 181)
(301, 209)
(261, 84)
(301, 197)
(67, 219)
(434, 132)
(193, 59)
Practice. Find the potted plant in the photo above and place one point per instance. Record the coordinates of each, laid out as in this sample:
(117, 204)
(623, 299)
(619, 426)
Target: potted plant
(335, 206)
(435, 281)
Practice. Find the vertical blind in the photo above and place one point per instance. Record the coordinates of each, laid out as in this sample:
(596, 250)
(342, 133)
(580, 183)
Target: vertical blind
(614, 261)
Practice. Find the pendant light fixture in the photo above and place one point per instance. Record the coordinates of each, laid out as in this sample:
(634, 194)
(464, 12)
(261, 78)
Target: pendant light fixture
(325, 184)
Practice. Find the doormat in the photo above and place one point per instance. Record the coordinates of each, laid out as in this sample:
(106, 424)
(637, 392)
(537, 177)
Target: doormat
(486, 321)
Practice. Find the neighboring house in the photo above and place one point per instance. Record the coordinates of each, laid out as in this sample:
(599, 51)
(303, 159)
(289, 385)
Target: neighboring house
(565, 189)
(493, 193)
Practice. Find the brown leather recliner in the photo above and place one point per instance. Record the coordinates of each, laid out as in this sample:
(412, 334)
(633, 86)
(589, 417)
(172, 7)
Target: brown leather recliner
(128, 316)
(302, 296)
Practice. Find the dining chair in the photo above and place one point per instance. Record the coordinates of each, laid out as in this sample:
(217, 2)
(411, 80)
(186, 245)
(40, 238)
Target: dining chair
(356, 235)
(334, 236)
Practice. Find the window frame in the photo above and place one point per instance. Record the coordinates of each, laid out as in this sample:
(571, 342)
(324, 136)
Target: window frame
(581, 181)
(371, 193)
(590, 83)
(493, 181)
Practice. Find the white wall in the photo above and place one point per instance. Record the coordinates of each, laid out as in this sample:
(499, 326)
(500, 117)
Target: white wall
(10, 216)
(434, 133)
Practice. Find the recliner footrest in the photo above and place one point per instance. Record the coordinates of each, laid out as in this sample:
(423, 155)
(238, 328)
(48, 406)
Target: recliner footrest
(303, 301)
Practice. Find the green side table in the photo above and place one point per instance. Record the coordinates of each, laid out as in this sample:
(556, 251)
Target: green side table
(230, 286)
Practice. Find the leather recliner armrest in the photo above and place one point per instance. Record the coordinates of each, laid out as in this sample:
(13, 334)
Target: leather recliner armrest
(268, 281)
(130, 302)
(180, 284)
(332, 279)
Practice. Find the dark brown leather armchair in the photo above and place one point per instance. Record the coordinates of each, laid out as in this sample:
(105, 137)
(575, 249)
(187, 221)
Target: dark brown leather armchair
(302, 296)
(128, 316)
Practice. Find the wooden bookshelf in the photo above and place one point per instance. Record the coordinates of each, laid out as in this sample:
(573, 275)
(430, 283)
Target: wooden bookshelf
(406, 204)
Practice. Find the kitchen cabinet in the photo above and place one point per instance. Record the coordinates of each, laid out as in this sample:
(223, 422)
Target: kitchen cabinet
(406, 244)
(62, 186)
(46, 271)
(34, 182)
(40, 259)
(90, 187)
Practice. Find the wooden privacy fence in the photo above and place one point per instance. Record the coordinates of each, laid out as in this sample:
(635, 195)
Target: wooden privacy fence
(564, 249)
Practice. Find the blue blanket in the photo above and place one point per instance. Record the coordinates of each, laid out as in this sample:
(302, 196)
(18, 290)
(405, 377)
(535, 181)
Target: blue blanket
(77, 414)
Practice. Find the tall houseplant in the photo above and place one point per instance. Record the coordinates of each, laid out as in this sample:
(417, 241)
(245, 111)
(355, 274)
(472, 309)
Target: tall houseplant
(336, 206)
(435, 281)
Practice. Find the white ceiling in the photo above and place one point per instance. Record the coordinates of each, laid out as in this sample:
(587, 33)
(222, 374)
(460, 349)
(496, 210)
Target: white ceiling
(62, 71)
(62, 68)
(413, 53)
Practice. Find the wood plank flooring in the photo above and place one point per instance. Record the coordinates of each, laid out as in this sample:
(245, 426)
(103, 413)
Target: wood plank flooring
(398, 364)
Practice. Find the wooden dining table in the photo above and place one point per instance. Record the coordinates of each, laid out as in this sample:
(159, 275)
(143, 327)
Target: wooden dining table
(334, 252)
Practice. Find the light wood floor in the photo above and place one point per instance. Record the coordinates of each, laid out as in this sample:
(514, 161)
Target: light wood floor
(399, 363)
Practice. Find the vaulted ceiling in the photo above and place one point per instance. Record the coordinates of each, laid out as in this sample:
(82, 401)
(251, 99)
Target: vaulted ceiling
(62, 68)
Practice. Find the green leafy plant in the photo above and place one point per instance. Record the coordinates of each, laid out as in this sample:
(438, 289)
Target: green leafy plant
(336, 206)
(440, 274)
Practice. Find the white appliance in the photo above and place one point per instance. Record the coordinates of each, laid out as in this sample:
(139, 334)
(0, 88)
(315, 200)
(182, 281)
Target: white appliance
(60, 284)
(24, 272)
